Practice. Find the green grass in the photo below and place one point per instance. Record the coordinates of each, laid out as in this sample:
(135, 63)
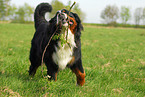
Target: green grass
(113, 59)
(116, 25)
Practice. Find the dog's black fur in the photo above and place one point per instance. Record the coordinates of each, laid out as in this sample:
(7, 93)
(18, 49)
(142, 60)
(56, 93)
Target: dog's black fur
(44, 31)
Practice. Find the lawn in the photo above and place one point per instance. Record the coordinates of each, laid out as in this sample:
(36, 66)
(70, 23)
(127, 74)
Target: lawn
(113, 59)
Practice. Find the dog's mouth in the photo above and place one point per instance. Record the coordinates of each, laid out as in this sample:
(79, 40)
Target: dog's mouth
(63, 19)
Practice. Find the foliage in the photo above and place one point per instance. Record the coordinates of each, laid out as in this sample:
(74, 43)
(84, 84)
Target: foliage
(28, 12)
(20, 14)
(12, 12)
(138, 15)
(58, 5)
(77, 10)
(113, 59)
(125, 14)
(16, 14)
(23, 13)
(110, 14)
(80, 13)
(61, 37)
(4, 8)
(143, 16)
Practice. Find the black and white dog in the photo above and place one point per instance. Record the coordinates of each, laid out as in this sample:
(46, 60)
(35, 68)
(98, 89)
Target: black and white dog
(57, 56)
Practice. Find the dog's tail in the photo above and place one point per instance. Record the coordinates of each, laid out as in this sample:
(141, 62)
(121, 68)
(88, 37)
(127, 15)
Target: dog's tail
(39, 15)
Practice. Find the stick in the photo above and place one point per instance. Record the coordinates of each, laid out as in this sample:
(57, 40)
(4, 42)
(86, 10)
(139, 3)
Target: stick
(69, 20)
(72, 6)
(44, 53)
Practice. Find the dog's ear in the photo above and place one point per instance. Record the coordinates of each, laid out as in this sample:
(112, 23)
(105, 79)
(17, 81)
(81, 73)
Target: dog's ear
(79, 24)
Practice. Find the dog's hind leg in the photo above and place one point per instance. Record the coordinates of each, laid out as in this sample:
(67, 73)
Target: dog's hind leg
(33, 68)
(35, 62)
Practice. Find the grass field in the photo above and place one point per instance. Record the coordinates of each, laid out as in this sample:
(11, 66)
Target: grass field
(113, 59)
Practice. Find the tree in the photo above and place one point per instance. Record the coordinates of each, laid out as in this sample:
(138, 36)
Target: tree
(22, 13)
(77, 10)
(7, 4)
(4, 6)
(110, 14)
(125, 14)
(2, 9)
(12, 12)
(138, 16)
(28, 12)
(143, 16)
(57, 5)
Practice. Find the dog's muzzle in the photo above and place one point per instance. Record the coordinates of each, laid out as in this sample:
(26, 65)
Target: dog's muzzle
(62, 18)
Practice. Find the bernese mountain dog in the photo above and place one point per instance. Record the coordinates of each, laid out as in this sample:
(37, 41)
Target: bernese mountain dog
(58, 56)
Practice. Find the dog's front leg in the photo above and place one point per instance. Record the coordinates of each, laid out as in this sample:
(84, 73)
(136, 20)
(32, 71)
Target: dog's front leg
(77, 68)
(52, 76)
(52, 71)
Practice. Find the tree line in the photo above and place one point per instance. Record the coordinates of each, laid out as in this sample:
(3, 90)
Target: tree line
(25, 12)
(15, 14)
(111, 14)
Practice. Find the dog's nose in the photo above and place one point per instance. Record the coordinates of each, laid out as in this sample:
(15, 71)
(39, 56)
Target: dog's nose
(63, 18)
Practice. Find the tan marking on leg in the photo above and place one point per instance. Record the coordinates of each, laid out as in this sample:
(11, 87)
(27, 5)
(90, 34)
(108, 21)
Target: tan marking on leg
(56, 76)
(80, 76)
(72, 60)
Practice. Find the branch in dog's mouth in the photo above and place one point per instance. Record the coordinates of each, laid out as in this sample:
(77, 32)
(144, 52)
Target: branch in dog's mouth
(62, 19)
(64, 23)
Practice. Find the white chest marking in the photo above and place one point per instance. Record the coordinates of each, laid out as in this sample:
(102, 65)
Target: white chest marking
(63, 54)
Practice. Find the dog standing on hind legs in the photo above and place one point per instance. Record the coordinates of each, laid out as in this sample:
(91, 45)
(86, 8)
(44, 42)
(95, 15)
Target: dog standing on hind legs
(58, 55)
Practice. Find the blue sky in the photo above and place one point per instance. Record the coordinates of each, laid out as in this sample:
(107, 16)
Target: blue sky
(92, 8)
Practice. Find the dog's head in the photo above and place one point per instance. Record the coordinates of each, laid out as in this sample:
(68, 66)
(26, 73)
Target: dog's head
(64, 18)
